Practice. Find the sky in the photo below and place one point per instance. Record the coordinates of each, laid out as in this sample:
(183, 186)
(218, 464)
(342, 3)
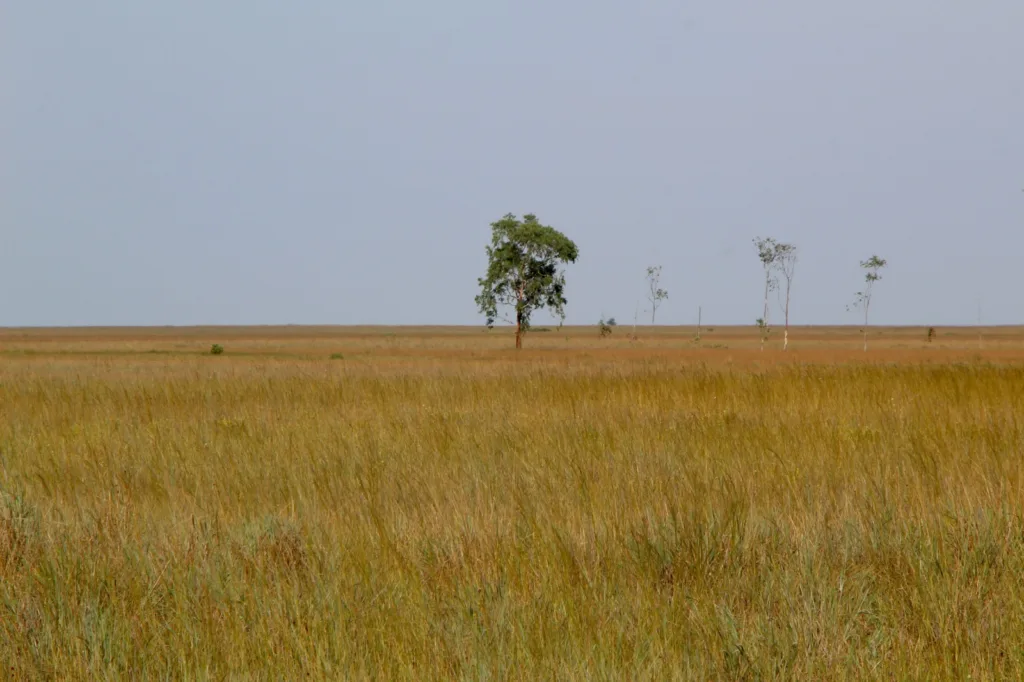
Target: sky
(325, 162)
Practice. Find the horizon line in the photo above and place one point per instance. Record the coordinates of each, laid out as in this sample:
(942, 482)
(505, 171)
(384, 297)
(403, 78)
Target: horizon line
(271, 325)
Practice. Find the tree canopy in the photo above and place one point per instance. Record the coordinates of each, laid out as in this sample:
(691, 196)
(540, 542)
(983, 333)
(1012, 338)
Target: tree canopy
(523, 273)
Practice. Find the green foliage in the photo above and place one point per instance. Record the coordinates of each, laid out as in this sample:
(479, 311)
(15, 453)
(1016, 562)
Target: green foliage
(337, 356)
(523, 262)
(604, 328)
(873, 266)
(216, 349)
(766, 250)
(769, 252)
(611, 322)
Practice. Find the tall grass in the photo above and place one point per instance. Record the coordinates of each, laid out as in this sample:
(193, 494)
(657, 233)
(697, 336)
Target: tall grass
(614, 519)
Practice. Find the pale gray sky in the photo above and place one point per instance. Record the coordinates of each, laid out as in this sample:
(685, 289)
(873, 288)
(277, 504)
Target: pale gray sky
(320, 161)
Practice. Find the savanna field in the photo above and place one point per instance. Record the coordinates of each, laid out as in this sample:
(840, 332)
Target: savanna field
(419, 504)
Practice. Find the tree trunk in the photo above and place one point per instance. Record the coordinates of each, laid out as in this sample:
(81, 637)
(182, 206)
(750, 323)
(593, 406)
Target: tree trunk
(867, 306)
(764, 320)
(520, 296)
(785, 333)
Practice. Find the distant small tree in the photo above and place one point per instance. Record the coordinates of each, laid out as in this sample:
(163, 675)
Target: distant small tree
(611, 322)
(523, 262)
(862, 299)
(763, 328)
(656, 294)
(785, 259)
(766, 252)
(604, 329)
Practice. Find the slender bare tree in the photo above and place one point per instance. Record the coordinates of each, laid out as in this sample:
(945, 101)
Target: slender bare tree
(656, 294)
(766, 252)
(786, 256)
(862, 299)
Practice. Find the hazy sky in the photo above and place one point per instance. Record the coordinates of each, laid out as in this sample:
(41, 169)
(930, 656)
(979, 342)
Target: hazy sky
(329, 161)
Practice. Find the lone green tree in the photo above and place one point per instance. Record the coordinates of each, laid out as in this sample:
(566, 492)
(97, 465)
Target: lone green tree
(862, 299)
(523, 261)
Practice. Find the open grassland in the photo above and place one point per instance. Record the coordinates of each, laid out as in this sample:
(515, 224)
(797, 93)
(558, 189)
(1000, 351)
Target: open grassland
(434, 505)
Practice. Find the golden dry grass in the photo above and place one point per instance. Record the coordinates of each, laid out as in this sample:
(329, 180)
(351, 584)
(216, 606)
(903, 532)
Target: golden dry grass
(437, 506)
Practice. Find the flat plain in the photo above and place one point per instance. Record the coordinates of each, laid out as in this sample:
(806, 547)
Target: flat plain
(428, 503)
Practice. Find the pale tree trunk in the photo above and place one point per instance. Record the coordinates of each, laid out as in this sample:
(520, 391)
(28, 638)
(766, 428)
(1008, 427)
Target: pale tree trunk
(764, 320)
(867, 306)
(785, 332)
